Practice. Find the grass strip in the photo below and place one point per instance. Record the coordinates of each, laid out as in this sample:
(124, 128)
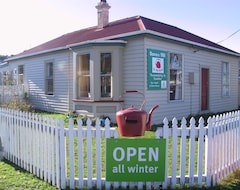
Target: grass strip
(14, 178)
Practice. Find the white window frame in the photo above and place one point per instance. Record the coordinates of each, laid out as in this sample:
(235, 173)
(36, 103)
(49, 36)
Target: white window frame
(239, 70)
(6, 78)
(20, 74)
(108, 75)
(176, 65)
(80, 94)
(225, 79)
(49, 78)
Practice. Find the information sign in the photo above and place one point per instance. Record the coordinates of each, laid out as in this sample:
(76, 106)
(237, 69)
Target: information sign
(135, 159)
(157, 69)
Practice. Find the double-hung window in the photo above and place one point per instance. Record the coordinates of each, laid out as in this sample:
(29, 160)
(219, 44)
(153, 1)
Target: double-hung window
(20, 74)
(225, 79)
(106, 74)
(49, 78)
(176, 77)
(6, 78)
(83, 76)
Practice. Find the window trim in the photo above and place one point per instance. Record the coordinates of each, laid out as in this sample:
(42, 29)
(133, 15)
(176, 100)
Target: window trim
(95, 89)
(182, 77)
(6, 78)
(109, 75)
(227, 77)
(78, 75)
(20, 74)
(47, 92)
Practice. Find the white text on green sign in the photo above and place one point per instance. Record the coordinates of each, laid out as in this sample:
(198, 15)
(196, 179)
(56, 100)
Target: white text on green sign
(145, 158)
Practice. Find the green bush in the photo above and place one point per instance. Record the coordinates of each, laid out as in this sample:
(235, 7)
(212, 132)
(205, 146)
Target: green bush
(18, 105)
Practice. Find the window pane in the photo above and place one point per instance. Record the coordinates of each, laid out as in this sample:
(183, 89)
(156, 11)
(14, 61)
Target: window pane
(7, 80)
(83, 75)
(84, 87)
(20, 74)
(50, 86)
(105, 86)
(106, 63)
(106, 70)
(20, 69)
(239, 70)
(49, 69)
(49, 78)
(84, 66)
(225, 79)
(175, 83)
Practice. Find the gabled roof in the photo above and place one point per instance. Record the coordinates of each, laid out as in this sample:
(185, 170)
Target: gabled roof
(125, 27)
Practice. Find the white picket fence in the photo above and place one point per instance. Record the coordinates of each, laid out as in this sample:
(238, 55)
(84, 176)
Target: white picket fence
(68, 156)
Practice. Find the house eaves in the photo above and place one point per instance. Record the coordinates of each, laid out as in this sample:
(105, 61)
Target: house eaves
(196, 46)
(74, 46)
(37, 53)
(4, 64)
(101, 42)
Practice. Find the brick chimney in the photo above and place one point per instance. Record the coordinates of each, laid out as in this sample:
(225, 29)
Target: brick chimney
(103, 13)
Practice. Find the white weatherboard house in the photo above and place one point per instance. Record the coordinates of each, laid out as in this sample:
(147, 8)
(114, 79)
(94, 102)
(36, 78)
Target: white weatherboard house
(87, 70)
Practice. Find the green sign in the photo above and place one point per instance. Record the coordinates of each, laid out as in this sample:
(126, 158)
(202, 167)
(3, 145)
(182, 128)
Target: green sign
(135, 159)
(157, 69)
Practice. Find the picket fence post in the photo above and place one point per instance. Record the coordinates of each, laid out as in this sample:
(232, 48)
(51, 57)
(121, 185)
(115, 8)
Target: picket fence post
(208, 166)
(71, 153)
(162, 132)
(80, 155)
(174, 152)
(98, 156)
(107, 135)
(183, 152)
(62, 150)
(192, 151)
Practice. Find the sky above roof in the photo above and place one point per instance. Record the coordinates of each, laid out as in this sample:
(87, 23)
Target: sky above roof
(28, 23)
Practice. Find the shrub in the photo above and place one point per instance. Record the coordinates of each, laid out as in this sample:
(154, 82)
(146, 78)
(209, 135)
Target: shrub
(18, 105)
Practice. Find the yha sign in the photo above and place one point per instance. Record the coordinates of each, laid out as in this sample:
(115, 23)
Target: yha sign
(135, 159)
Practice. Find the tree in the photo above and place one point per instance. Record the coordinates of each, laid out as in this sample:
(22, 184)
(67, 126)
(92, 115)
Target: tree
(3, 57)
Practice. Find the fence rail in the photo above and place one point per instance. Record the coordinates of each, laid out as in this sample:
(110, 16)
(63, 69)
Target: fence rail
(74, 156)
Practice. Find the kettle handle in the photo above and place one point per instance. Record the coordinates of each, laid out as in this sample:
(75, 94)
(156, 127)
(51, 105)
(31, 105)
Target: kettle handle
(135, 91)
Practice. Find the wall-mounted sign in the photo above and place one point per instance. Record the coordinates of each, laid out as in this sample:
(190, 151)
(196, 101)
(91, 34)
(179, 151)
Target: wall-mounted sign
(157, 69)
(135, 159)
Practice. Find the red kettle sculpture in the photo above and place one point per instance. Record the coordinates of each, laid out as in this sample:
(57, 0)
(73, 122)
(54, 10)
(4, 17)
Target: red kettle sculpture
(132, 121)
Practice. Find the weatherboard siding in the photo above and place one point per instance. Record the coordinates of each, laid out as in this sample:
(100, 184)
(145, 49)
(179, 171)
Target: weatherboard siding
(133, 71)
(135, 78)
(34, 73)
(167, 108)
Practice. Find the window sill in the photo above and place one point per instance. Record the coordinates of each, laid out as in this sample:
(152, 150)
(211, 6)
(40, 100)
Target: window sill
(96, 101)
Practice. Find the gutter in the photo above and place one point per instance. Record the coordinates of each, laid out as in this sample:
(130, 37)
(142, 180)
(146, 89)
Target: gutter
(176, 39)
(110, 41)
(3, 64)
(74, 46)
(100, 42)
(37, 53)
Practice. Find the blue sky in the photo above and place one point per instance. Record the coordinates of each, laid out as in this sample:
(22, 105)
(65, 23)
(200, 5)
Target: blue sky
(27, 23)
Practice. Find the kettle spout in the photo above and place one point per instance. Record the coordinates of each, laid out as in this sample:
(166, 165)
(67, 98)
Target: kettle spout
(148, 125)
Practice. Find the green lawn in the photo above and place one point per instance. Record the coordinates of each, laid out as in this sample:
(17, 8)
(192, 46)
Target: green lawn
(14, 178)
